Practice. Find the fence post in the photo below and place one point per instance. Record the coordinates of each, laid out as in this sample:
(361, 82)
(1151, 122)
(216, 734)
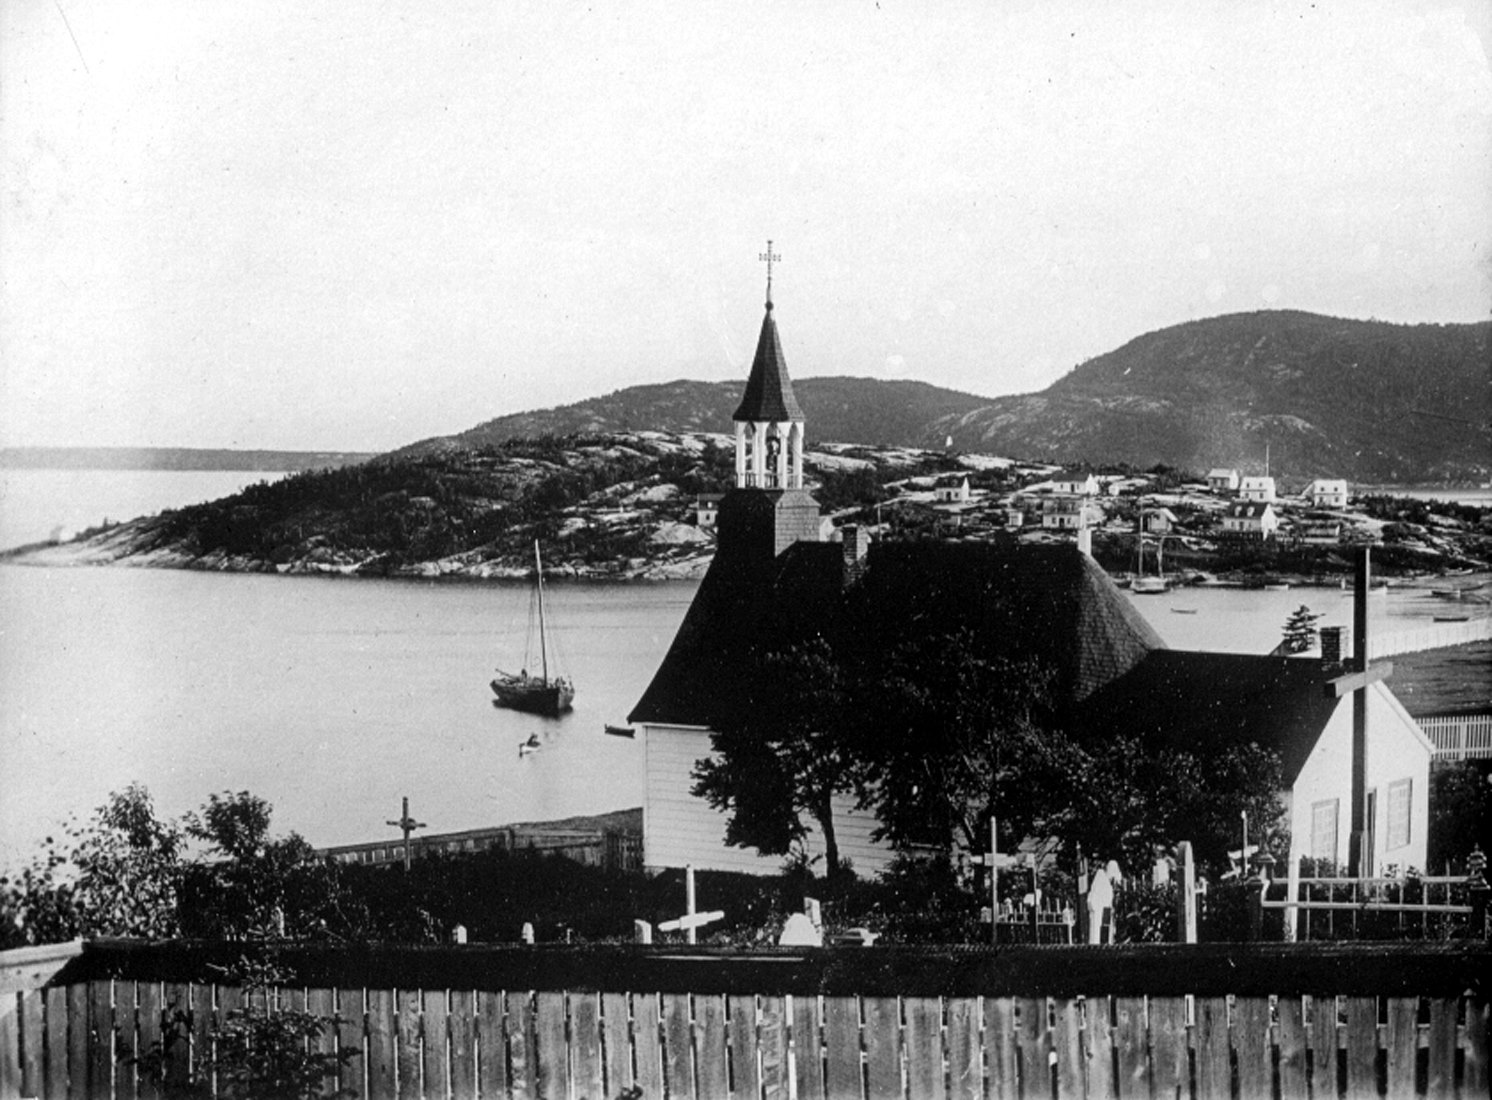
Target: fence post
(1257, 884)
(1292, 895)
(1476, 880)
(1186, 894)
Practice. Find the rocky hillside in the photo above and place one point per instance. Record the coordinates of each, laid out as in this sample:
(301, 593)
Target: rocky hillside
(618, 505)
(1364, 400)
(863, 411)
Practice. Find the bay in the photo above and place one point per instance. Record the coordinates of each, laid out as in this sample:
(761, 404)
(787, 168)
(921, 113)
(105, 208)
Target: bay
(333, 698)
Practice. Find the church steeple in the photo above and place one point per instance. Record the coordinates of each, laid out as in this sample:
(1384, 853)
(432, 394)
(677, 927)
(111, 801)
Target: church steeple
(769, 422)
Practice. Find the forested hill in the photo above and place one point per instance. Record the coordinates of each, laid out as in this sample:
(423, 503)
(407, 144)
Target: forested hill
(867, 411)
(1364, 400)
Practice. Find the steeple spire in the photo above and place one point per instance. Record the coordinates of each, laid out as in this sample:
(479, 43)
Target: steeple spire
(769, 423)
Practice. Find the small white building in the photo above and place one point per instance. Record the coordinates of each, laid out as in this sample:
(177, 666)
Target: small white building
(1251, 521)
(1328, 493)
(1069, 513)
(1221, 480)
(1087, 487)
(1321, 532)
(953, 489)
(1157, 521)
(707, 509)
(1256, 489)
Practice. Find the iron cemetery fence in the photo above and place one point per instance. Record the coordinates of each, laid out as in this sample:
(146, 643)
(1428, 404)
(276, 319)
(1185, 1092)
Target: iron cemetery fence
(1249, 1021)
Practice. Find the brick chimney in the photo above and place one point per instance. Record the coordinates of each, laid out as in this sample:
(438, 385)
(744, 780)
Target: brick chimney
(856, 547)
(1331, 645)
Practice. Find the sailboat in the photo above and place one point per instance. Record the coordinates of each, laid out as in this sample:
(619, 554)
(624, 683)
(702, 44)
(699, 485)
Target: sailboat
(541, 694)
(1150, 586)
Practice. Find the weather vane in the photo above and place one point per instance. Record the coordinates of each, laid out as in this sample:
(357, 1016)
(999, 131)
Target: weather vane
(769, 257)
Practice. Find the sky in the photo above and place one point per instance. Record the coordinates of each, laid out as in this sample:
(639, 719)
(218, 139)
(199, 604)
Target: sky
(348, 225)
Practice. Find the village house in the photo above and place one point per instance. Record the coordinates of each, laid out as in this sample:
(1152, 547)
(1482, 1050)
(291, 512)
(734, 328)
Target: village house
(1083, 487)
(776, 580)
(707, 509)
(1257, 489)
(952, 489)
(1064, 512)
(1157, 521)
(1328, 493)
(1222, 481)
(1257, 521)
(1320, 532)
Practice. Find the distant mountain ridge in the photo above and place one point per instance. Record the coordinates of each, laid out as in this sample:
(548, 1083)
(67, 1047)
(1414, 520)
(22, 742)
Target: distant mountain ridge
(172, 458)
(1320, 396)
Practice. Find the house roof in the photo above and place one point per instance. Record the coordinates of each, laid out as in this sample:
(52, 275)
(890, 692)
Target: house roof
(1257, 482)
(1250, 510)
(1221, 472)
(1052, 603)
(769, 391)
(1182, 699)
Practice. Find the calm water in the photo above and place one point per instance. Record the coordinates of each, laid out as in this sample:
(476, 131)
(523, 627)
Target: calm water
(332, 698)
(35, 503)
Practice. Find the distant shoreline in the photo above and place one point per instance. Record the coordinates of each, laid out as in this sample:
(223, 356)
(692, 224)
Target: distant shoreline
(174, 459)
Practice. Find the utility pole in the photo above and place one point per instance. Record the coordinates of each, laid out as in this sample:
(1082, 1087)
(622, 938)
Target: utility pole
(407, 825)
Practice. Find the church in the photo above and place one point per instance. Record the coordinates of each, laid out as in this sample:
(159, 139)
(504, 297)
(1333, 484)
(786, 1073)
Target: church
(776, 580)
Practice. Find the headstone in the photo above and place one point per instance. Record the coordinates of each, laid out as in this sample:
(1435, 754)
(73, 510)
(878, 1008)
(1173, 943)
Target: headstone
(799, 931)
(815, 912)
(1101, 901)
(458, 934)
(528, 932)
(642, 931)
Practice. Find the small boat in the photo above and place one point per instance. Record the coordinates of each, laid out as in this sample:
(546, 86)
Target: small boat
(541, 694)
(620, 731)
(1183, 611)
(531, 745)
(1277, 586)
(1149, 586)
(1452, 618)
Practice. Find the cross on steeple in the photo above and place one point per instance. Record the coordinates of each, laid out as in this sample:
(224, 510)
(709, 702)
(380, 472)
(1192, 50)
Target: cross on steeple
(768, 257)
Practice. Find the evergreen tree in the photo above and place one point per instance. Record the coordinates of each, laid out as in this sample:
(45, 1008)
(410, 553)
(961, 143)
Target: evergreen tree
(1300, 630)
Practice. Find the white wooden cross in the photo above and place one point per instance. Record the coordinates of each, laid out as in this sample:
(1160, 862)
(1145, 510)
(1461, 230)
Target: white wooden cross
(691, 920)
(994, 859)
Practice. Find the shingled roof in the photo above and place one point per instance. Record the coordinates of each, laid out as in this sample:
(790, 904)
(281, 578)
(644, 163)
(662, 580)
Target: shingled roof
(769, 391)
(1051, 603)
(1191, 700)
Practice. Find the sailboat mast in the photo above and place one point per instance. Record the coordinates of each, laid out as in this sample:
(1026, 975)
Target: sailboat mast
(543, 639)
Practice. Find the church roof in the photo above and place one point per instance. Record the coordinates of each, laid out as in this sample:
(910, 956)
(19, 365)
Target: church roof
(1189, 699)
(769, 391)
(1052, 603)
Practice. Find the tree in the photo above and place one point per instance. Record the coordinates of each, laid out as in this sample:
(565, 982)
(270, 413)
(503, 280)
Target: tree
(120, 878)
(950, 738)
(253, 885)
(1300, 630)
(1460, 814)
(785, 757)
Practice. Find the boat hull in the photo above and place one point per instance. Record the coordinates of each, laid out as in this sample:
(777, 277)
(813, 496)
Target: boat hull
(532, 695)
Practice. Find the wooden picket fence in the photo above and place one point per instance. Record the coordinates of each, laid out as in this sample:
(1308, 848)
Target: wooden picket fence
(1023, 1022)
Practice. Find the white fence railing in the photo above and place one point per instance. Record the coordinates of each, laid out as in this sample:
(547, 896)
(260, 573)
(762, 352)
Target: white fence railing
(1430, 637)
(1459, 736)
